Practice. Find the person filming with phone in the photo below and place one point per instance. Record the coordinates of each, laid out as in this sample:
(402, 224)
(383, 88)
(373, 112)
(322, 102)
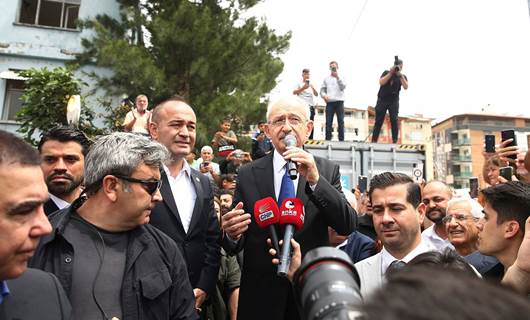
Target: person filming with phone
(137, 120)
(391, 82)
(306, 91)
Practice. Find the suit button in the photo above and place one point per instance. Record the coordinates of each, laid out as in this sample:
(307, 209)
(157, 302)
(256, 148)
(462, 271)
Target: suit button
(67, 259)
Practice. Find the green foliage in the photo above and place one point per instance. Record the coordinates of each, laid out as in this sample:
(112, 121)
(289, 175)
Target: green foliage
(202, 50)
(44, 101)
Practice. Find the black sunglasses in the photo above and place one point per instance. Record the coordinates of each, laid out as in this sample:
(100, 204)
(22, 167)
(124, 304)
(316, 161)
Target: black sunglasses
(149, 185)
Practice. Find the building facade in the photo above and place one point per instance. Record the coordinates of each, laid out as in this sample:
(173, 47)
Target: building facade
(458, 143)
(43, 33)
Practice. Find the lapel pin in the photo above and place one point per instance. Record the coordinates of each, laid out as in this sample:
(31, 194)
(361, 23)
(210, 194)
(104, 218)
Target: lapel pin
(196, 178)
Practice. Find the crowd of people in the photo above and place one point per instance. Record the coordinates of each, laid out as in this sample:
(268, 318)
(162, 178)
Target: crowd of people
(133, 226)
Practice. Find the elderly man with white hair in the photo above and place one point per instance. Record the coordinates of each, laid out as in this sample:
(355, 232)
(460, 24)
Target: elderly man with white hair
(207, 166)
(461, 223)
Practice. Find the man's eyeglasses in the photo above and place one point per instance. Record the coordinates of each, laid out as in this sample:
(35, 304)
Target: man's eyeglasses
(293, 121)
(149, 185)
(458, 217)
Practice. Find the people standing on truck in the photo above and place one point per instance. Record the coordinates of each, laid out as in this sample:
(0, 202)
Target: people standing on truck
(306, 91)
(332, 91)
(391, 82)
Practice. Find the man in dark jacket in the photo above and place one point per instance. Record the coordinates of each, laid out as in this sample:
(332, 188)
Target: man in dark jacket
(24, 293)
(110, 262)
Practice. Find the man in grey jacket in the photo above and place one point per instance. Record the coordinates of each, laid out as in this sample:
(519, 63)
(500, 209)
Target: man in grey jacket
(332, 92)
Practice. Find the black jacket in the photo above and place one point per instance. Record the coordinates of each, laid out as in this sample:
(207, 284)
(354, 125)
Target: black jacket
(36, 295)
(155, 284)
(200, 245)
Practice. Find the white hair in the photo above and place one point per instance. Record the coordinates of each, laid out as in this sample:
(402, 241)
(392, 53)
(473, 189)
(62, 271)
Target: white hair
(206, 148)
(476, 208)
(289, 102)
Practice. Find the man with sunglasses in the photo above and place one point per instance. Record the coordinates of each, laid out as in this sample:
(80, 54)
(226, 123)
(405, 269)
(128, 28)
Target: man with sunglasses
(110, 261)
(187, 213)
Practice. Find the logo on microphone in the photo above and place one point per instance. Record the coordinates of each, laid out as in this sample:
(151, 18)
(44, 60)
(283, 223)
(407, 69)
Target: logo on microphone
(289, 205)
(265, 216)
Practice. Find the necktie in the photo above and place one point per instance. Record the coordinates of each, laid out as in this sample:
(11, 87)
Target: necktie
(395, 266)
(287, 187)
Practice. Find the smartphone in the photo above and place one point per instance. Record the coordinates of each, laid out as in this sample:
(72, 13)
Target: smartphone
(489, 141)
(362, 183)
(473, 187)
(509, 134)
(506, 173)
(307, 81)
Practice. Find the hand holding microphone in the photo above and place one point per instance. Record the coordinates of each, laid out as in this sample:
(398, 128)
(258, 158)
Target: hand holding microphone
(292, 215)
(266, 215)
(299, 160)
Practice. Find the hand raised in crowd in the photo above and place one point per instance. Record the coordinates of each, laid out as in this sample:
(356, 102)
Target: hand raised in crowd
(200, 297)
(235, 222)
(518, 274)
(205, 167)
(296, 257)
(502, 151)
(306, 163)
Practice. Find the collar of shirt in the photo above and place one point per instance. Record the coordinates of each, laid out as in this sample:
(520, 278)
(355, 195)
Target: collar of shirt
(60, 203)
(184, 194)
(278, 167)
(4, 290)
(387, 258)
(434, 239)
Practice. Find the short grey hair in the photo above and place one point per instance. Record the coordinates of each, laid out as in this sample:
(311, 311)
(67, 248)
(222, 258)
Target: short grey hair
(476, 208)
(289, 102)
(206, 148)
(120, 153)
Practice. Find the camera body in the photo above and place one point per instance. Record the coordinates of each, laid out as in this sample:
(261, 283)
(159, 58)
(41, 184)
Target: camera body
(396, 63)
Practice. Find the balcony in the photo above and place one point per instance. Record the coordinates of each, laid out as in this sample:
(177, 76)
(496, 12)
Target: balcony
(461, 142)
(463, 174)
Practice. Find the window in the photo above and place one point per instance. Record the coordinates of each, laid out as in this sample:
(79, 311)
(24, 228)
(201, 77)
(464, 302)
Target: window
(12, 102)
(51, 13)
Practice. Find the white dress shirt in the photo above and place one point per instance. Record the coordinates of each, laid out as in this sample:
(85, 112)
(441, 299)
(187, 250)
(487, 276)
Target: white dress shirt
(60, 203)
(278, 167)
(429, 235)
(183, 192)
(387, 258)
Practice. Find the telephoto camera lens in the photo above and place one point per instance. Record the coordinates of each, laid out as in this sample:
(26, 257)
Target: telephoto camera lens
(327, 286)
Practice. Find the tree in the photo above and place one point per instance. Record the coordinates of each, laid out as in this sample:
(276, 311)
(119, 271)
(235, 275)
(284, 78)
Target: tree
(202, 50)
(44, 101)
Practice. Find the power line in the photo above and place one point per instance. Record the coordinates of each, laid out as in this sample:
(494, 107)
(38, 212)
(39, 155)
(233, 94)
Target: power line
(359, 18)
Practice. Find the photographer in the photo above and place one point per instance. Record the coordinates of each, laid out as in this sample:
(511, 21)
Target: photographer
(234, 160)
(391, 82)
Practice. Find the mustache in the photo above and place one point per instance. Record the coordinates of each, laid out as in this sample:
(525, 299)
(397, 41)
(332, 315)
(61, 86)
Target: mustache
(60, 175)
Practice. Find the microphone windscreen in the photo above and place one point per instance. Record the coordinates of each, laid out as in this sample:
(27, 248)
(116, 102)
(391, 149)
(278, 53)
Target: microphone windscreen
(290, 140)
(266, 212)
(292, 212)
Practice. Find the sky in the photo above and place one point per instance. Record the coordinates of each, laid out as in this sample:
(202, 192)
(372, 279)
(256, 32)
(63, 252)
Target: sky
(460, 56)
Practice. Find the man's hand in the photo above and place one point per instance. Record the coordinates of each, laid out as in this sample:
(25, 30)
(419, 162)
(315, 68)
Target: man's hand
(261, 137)
(502, 151)
(296, 258)
(200, 296)
(135, 113)
(335, 74)
(306, 163)
(235, 222)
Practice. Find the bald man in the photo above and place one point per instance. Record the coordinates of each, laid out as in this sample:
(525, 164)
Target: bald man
(435, 196)
(186, 213)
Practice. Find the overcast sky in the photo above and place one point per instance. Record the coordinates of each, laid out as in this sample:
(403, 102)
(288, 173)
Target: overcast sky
(459, 55)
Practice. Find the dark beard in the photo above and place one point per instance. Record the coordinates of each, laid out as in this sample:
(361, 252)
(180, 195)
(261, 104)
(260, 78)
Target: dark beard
(64, 189)
(438, 218)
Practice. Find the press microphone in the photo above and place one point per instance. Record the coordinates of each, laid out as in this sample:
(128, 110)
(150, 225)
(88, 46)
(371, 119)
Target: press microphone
(292, 215)
(266, 215)
(290, 141)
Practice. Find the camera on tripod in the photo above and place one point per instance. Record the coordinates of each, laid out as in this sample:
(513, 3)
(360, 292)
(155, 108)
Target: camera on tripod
(397, 62)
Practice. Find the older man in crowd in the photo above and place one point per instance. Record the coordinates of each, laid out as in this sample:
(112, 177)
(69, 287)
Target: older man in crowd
(317, 184)
(110, 261)
(27, 294)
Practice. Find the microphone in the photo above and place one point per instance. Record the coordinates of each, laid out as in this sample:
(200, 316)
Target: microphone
(290, 142)
(292, 215)
(267, 214)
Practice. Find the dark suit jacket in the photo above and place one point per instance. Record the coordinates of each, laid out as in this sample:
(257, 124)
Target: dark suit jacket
(263, 295)
(359, 247)
(35, 295)
(200, 246)
(50, 207)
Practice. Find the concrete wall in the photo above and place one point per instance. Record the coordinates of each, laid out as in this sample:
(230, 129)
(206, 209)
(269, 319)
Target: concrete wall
(25, 46)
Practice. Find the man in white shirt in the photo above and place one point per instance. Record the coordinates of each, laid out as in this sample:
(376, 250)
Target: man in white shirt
(436, 194)
(397, 215)
(186, 213)
(332, 91)
(63, 150)
(306, 91)
(137, 120)
(207, 166)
